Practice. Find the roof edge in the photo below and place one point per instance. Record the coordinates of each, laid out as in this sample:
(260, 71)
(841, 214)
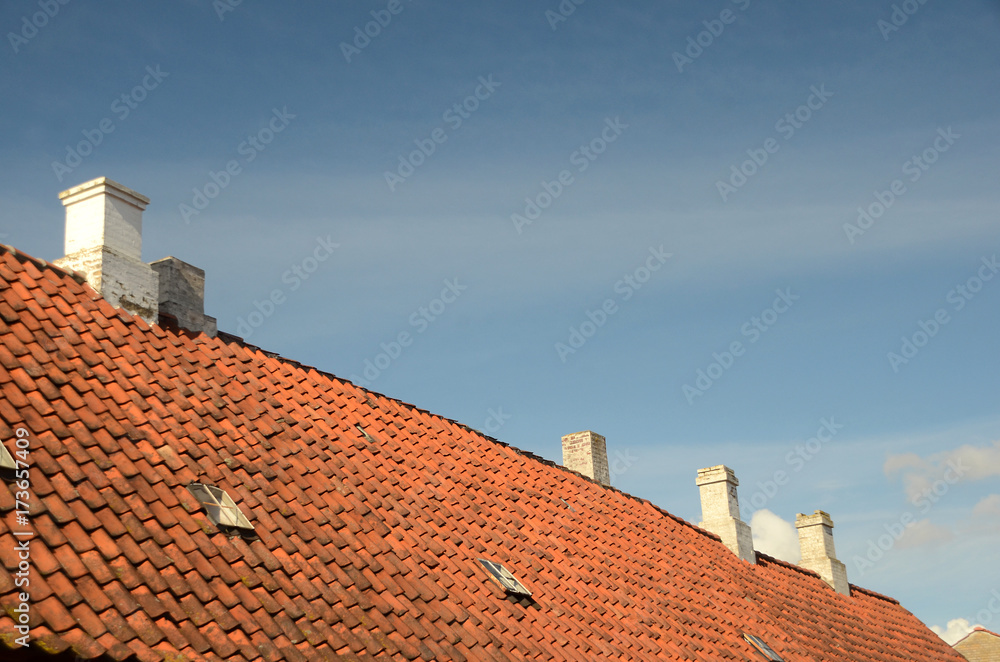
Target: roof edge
(978, 628)
(44, 264)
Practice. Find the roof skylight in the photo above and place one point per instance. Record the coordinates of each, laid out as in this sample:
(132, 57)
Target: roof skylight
(766, 650)
(364, 432)
(506, 580)
(8, 466)
(221, 508)
(6, 459)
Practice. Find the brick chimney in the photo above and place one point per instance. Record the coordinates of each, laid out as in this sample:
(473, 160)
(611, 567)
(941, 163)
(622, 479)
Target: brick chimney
(182, 295)
(818, 553)
(104, 242)
(587, 453)
(720, 510)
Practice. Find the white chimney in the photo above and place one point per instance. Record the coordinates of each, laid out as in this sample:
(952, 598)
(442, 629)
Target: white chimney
(182, 296)
(818, 553)
(720, 510)
(587, 453)
(104, 242)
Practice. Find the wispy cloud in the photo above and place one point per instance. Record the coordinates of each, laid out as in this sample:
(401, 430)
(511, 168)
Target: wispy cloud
(924, 533)
(967, 462)
(988, 507)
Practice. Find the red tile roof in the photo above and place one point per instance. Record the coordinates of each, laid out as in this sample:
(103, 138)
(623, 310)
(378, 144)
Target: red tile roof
(364, 548)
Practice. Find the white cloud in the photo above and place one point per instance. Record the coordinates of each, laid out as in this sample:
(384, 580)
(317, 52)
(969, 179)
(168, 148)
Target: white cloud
(988, 506)
(775, 536)
(957, 628)
(967, 463)
(924, 532)
(897, 463)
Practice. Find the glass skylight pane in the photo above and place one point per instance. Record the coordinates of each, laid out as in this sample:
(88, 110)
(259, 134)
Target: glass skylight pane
(233, 513)
(227, 517)
(505, 578)
(221, 508)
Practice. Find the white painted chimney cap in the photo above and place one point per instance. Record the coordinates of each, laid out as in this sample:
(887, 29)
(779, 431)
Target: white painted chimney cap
(106, 186)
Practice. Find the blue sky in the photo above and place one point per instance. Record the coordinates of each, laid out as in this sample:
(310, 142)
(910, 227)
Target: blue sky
(683, 194)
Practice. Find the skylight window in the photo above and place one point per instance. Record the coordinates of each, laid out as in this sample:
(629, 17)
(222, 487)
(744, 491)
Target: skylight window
(367, 436)
(6, 460)
(221, 508)
(766, 650)
(8, 467)
(506, 580)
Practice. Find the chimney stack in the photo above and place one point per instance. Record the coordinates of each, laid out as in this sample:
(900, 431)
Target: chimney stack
(104, 242)
(587, 453)
(720, 510)
(818, 553)
(182, 295)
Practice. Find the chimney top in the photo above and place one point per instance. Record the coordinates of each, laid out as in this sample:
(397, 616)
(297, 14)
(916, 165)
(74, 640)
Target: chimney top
(104, 242)
(818, 551)
(818, 517)
(721, 501)
(716, 474)
(720, 510)
(587, 452)
(182, 296)
(104, 214)
(103, 185)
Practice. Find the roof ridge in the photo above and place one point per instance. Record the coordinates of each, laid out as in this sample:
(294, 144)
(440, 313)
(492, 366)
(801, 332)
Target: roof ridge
(787, 564)
(874, 594)
(806, 571)
(978, 628)
(78, 276)
(234, 339)
(676, 518)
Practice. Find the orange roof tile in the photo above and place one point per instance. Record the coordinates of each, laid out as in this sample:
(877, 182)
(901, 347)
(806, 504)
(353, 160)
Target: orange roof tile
(366, 547)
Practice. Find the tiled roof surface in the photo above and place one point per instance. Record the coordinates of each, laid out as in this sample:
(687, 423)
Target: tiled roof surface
(365, 549)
